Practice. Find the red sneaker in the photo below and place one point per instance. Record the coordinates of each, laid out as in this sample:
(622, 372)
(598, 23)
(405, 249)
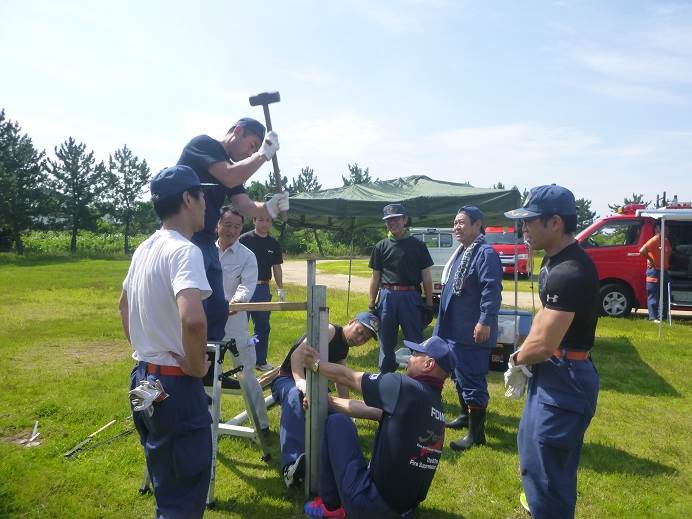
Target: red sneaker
(317, 509)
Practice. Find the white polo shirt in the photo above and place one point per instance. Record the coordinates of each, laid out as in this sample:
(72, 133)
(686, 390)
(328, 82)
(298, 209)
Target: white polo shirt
(161, 267)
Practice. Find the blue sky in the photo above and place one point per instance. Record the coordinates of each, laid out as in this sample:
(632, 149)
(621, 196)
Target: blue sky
(596, 96)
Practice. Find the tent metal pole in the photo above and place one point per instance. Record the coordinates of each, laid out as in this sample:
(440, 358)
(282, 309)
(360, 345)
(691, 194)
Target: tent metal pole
(661, 278)
(350, 266)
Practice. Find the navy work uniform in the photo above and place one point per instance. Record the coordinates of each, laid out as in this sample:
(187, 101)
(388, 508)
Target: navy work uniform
(200, 154)
(478, 301)
(286, 394)
(563, 391)
(399, 303)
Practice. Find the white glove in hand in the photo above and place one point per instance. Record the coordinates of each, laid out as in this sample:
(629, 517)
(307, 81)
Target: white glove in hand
(270, 145)
(277, 204)
(516, 379)
(302, 385)
(282, 294)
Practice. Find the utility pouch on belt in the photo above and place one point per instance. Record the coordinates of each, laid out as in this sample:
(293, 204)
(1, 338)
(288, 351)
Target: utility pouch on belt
(145, 394)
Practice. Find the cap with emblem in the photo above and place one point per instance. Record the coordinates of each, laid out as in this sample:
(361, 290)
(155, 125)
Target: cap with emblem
(174, 180)
(546, 200)
(438, 349)
(393, 210)
(370, 321)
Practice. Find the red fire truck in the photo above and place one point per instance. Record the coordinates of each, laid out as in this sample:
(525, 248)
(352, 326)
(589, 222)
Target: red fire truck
(613, 243)
(502, 239)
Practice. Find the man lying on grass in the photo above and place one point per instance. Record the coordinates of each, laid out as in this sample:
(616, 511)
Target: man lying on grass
(408, 443)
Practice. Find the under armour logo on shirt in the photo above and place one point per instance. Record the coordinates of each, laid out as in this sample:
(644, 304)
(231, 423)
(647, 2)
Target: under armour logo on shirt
(374, 376)
(551, 299)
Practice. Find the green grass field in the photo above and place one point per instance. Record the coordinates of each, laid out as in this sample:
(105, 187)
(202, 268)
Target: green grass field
(65, 362)
(360, 268)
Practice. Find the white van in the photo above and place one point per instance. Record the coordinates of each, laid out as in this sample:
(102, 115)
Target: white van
(441, 244)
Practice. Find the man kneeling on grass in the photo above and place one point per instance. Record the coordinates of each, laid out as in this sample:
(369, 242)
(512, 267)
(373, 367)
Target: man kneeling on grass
(407, 445)
(288, 389)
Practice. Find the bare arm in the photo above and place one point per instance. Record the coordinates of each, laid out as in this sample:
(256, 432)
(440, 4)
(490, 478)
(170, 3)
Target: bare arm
(297, 366)
(426, 274)
(278, 275)
(194, 328)
(334, 372)
(124, 314)
(247, 207)
(548, 329)
(341, 390)
(375, 286)
(354, 408)
(232, 174)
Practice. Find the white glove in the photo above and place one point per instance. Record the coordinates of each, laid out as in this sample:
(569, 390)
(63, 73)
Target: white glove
(270, 145)
(516, 379)
(277, 204)
(282, 294)
(145, 394)
(302, 385)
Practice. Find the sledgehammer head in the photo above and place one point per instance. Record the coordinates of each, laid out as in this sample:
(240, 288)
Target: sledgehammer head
(265, 98)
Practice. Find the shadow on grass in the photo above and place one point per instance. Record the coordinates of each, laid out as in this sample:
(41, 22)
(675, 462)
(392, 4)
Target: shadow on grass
(621, 369)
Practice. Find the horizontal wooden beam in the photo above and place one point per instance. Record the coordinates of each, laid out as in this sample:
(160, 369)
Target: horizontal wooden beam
(278, 306)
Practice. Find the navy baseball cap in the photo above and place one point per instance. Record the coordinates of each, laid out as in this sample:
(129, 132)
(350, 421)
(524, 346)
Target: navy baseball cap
(370, 321)
(472, 211)
(174, 180)
(393, 210)
(438, 349)
(546, 200)
(252, 125)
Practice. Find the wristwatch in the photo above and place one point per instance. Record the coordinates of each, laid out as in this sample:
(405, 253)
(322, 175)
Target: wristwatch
(315, 366)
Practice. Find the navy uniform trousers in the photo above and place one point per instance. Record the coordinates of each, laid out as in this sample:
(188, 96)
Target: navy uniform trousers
(560, 403)
(260, 321)
(292, 421)
(215, 306)
(397, 309)
(344, 476)
(177, 444)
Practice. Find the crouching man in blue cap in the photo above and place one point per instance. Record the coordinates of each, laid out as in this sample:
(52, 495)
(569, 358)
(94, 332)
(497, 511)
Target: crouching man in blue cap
(408, 442)
(163, 318)
(289, 387)
(563, 382)
(470, 301)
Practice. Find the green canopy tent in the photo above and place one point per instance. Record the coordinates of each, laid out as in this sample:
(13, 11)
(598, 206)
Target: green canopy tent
(430, 203)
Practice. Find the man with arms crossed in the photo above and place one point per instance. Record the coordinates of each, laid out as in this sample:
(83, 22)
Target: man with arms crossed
(162, 316)
(563, 383)
(239, 279)
(408, 442)
(228, 163)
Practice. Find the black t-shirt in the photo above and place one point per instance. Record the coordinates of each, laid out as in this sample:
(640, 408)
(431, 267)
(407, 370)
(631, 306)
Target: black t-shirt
(568, 282)
(409, 440)
(338, 349)
(400, 261)
(267, 251)
(200, 153)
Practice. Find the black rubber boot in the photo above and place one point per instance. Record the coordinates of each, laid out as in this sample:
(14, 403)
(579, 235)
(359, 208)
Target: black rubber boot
(462, 420)
(476, 435)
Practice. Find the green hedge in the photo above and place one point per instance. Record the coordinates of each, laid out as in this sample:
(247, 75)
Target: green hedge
(89, 244)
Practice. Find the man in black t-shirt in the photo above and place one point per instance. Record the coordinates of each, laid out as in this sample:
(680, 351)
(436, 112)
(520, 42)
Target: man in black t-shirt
(408, 442)
(228, 163)
(399, 263)
(563, 384)
(288, 389)
(267, 250)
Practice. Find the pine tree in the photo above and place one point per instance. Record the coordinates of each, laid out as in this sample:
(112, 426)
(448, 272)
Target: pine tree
(357, 175)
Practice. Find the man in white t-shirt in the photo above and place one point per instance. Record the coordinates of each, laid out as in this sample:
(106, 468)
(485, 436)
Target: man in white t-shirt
(163, 318)
(239, 267)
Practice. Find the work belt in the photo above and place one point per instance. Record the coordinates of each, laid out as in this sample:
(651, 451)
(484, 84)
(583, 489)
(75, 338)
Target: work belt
(262, 281)
(169, 371)
(398, 288)
(572, 354)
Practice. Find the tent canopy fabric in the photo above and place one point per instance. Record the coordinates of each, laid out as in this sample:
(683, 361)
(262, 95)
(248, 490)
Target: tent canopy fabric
(429, 203)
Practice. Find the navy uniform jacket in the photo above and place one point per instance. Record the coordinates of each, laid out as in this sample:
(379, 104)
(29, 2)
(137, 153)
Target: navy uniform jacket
(479, 300)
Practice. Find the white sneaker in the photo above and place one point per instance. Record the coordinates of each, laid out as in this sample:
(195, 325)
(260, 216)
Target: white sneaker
(657, 321)
(295, 472)
(264, 367)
